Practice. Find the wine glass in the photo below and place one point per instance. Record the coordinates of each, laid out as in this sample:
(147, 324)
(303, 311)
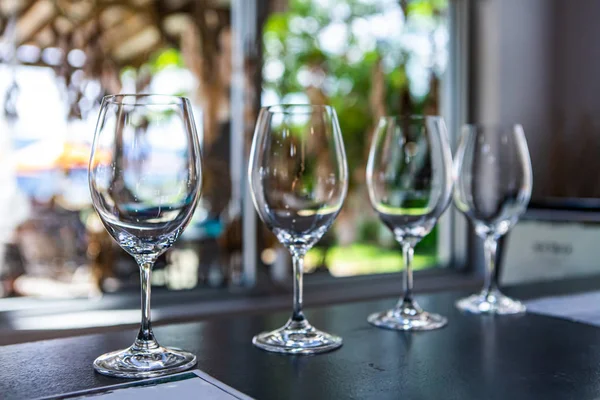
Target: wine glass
(493, 187)
(145, 179)
(409, 177)
(298, 178)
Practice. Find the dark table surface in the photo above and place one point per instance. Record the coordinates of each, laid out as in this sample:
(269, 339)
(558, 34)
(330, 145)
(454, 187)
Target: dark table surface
(474, 357)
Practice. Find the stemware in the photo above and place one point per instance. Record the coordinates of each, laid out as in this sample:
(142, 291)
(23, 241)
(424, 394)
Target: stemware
(298, 178)
(409, 177)
(145, 179)
(493, 187)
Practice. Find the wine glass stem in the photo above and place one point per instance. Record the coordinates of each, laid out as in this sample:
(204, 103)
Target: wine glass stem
(145, 339)
(408, 252)
(297, 314)
(489, 246)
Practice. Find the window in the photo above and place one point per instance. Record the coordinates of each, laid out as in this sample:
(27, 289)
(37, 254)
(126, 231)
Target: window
(367, 58)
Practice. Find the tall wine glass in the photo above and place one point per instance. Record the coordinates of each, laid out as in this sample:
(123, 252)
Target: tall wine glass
(409, 176)
(299, 178)
(493, 187)
(145, 179)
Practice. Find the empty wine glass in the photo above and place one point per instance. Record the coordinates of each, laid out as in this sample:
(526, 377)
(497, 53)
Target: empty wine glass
(493, 186)
(409, 177)
(145, 180)
(299, 178)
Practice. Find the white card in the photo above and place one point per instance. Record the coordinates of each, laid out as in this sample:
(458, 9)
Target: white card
(582, 307)
(544, 250)
(186, 385)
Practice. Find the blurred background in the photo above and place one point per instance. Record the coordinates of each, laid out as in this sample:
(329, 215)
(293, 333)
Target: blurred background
(531, 62)
(366, 58)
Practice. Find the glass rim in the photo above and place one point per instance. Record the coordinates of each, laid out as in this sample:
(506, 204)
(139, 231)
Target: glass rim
(166, 99)
(282, 108)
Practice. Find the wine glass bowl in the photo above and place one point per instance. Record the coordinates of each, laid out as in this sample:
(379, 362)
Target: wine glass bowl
(298, 179)
(409, 181)
(493, 186)
(145, 180)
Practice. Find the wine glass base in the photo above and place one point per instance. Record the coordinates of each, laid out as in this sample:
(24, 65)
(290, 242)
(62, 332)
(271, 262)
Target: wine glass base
(131, 363)
(490, 302)
(297, 338)
(408, 316)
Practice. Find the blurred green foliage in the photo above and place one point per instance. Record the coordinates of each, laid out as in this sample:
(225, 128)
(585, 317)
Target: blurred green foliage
(296, 57)
(166, 59)
(292, 39)
(359, 259)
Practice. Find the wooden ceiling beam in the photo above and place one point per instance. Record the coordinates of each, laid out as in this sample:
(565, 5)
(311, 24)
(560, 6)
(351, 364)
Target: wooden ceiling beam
(18, 7)
(141, 45)
(46, 37)
(34, 20)
(111, 16)
(113, 37)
